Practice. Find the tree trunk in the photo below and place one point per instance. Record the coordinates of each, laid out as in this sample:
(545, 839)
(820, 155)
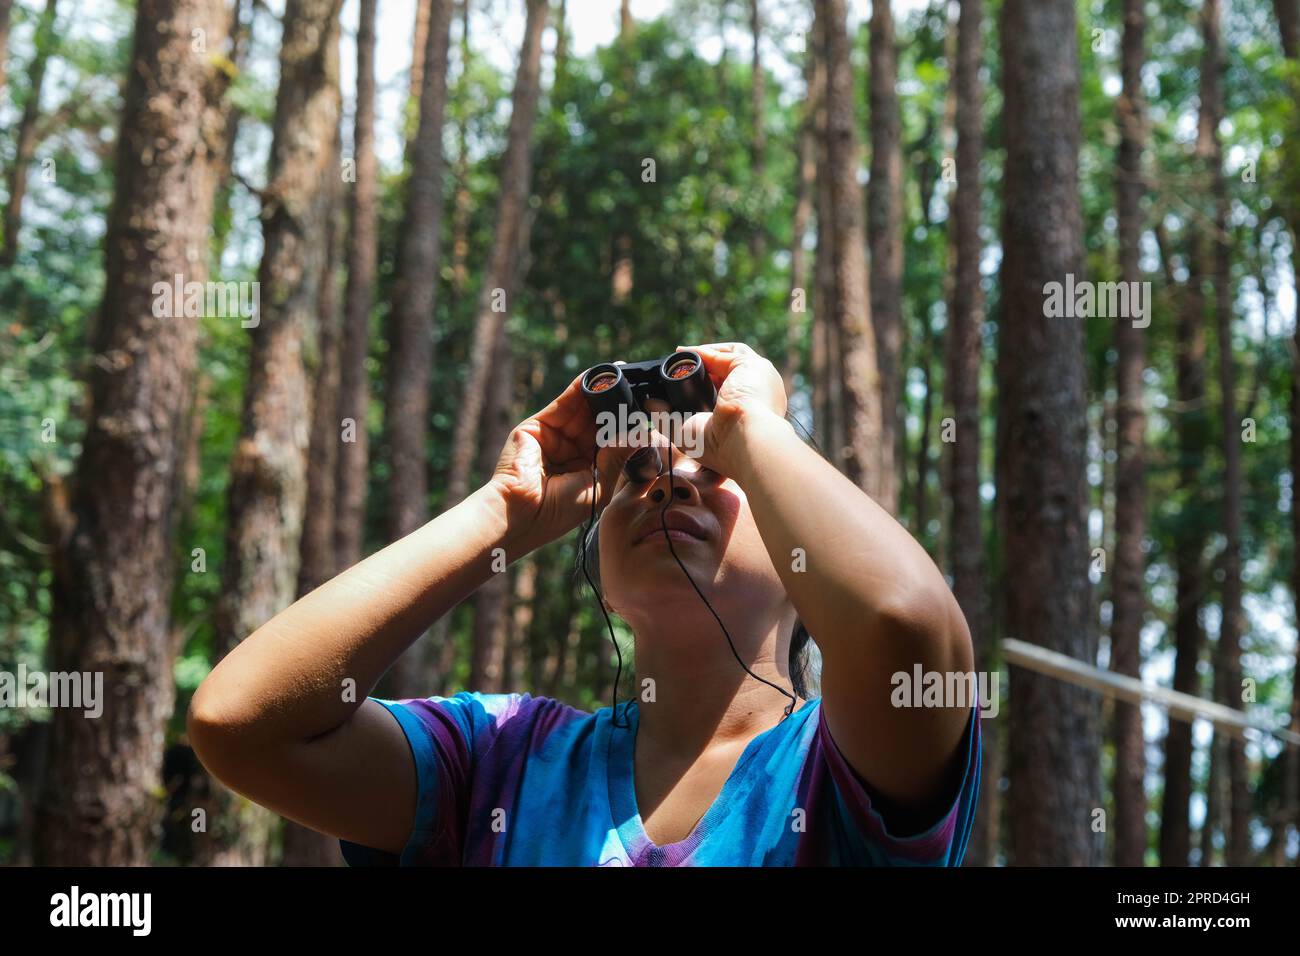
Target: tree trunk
(825, 362)
(1193, 441)
(758, 136)
(492, 599)
(462, 208)
(962, 380)
(522, 613)
(1128, 576)
(419, 47)
(561, 39)
(1042, 431)
(362, 255)
(500, 282)
(316, 562)
(268, 474)
(26, 140)
(1208, 144)
(115, 562)
(508, 240)
(410, 355)
(805, 187)
(860, 383)
(1288, 18)
(885, 228)
(6, 8)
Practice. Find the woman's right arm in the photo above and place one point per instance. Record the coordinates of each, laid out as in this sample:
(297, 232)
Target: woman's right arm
(284, 718)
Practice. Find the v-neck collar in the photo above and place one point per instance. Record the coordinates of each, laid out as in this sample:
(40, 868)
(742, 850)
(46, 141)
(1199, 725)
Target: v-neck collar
(620, 768)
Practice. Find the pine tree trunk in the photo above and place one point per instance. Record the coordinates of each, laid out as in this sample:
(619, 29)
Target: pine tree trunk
(860, 378)
(419, 47)
(962, 398)
(1193, 441)
(1042, 431)
(885, 228)
(25, 142)
(502, 278)
(522, 614)
(268, 474)
(1288, 17)
(6, 8)
(491, 600)
(362, 256)
(1128, 577)
(316, 562)
(758, 136)
(115, 562)
(410, 355)
(1238, 792)
(461, 210)
(804, 196)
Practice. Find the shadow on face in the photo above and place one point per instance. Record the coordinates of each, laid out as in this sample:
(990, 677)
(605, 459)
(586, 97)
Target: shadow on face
(711, 530)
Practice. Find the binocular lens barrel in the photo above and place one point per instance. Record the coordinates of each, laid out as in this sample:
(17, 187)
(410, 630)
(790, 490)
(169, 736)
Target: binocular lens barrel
(602, 381)
(687, 383)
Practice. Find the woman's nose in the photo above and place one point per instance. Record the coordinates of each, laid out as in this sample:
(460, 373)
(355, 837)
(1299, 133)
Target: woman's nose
(678, 484)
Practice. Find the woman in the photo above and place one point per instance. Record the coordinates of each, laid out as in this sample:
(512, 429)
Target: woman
(708, 765)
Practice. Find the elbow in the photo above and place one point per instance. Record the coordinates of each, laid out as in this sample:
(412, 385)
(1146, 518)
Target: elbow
(212, 728)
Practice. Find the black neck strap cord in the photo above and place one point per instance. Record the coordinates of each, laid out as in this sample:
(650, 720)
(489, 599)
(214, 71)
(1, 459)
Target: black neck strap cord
(663, 519)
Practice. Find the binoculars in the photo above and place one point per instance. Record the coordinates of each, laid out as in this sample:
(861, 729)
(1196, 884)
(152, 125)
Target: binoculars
(680, 381)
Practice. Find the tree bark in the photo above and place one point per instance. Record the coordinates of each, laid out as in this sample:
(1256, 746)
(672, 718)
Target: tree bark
(758, 136)
(502, 278)
(1229, 652)
(962, 380)
(362, 256)
(492, 599)
(316, 562)
(825, 361)
(26, 141)
(1288, 18)
(6, 8)
(860, 383)
(410, 355)
(115, 560)
(805, 190)
(885, 228)
(268, 473)
(1042, 431)
(461, 210)
(1193, 441)
(1128, 579)
(500, 282)
(419, 46)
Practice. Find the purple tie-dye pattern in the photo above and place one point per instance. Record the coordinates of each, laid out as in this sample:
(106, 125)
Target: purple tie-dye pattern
(511, 779)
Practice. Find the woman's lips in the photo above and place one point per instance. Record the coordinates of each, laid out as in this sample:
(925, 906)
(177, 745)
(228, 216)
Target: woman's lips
(681, 527)
(674, 533)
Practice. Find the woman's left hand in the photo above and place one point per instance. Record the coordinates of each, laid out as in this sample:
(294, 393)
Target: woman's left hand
(748, 386)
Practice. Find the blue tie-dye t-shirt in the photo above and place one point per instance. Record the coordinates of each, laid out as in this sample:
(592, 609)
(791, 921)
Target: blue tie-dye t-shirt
(517, 780)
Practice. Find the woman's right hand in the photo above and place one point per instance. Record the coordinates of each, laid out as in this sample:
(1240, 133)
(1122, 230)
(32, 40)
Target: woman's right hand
(544, 472)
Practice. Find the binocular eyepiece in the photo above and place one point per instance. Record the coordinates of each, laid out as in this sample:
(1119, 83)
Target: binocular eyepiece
(680, 380)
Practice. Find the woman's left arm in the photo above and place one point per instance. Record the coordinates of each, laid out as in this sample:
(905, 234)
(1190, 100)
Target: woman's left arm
(865, 588)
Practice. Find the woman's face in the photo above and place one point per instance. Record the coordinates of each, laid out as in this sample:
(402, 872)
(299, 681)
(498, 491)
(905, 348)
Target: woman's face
(712, 531)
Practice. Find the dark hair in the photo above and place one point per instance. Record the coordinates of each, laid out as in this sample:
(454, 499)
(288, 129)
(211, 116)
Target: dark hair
(800, 639)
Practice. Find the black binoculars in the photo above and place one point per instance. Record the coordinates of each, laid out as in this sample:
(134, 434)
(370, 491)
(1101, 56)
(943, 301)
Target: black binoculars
(680, 381)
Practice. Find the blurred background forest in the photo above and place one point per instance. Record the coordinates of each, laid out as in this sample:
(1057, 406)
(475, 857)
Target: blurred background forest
(451, 209)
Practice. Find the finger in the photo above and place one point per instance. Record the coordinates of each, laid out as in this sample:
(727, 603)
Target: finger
(718, 360)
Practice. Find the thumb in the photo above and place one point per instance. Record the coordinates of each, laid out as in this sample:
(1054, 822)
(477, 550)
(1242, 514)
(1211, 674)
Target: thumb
(609, 463)
(692, 436)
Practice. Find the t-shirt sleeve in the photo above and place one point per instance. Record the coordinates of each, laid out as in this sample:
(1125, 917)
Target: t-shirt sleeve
(870, 832)
(446, 735)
